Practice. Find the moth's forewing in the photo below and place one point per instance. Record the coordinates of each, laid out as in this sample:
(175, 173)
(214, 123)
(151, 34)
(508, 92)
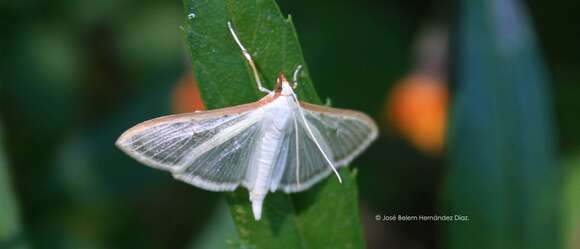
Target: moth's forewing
(173, 143)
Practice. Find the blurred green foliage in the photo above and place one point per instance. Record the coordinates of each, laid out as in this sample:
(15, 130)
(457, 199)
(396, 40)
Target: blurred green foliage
(11, 234)
(219, 232)
(503, 170)
(571, 203)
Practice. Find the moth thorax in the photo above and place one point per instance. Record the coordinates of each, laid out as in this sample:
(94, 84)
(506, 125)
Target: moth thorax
(277, 113)
(286, 89)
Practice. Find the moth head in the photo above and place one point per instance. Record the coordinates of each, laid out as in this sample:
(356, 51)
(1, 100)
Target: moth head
(283, 86)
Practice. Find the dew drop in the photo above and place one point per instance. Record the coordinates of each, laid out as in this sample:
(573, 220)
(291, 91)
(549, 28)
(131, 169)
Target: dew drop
(191, 16)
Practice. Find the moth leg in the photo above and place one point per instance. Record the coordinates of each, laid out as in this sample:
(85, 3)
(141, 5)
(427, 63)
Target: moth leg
(248, 59)
(297, 152)
(311, 134)
(295, 76)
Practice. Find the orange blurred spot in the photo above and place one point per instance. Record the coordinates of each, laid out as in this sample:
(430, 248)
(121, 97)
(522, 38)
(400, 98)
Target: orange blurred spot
(186, 96)
(417, 108)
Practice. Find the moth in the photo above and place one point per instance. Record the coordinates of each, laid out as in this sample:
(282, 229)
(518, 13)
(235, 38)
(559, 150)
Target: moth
(276, 143)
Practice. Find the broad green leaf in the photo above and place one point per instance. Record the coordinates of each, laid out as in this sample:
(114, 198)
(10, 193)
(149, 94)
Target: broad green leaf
(11, 234)
(503, 171)
(326, 216)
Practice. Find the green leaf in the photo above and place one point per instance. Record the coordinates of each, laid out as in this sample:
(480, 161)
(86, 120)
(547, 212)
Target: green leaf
(503, 171)
(325, 216)
(219, 232)
(11, 235)
(571, 217)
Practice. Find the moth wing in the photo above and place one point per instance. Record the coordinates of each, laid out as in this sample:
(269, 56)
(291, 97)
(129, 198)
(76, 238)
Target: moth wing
(347, 133)
(342, 135)
(206, 149)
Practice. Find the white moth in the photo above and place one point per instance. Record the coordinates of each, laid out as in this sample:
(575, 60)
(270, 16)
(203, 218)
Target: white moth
(276, 143)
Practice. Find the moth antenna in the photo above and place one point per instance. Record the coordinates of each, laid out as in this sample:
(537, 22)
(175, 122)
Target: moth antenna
(314, 139)
(297, 153)
(295, 76)
(248, 59)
